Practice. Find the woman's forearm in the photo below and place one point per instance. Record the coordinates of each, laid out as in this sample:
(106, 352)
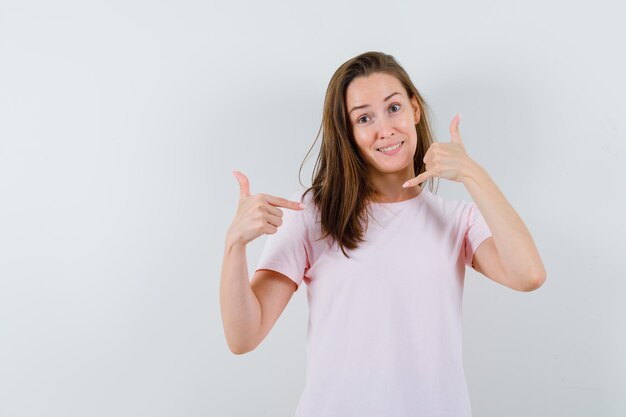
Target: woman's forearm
(240, 308)
(518, 254)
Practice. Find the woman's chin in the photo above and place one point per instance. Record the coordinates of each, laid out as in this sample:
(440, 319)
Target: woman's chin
(394, 168)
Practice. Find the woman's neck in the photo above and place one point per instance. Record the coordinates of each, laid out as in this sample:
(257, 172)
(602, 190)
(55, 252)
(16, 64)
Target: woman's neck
(388, 187)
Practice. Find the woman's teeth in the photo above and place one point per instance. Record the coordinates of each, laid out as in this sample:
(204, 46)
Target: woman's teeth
(391, 148)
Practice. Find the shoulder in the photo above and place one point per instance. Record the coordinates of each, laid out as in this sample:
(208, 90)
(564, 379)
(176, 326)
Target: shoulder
(447, 206)
(307, 200)
(458, 213)
(298, 195)
(306, 217)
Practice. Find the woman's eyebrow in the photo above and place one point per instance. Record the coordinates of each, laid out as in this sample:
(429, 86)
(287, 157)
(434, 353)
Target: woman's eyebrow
(367, 105)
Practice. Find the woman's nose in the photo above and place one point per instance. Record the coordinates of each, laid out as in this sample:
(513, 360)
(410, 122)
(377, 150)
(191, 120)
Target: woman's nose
(385, 128)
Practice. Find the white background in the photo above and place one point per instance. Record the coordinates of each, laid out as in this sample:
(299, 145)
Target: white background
(121, 123)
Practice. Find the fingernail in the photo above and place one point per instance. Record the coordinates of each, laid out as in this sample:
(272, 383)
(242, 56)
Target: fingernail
(302, 205)
(406, 184)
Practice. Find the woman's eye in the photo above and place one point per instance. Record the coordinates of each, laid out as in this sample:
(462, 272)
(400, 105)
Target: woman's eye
(360, 119)
(396, 106)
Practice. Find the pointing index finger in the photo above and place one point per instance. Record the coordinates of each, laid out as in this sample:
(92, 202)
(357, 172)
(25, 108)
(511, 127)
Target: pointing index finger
(283, 202)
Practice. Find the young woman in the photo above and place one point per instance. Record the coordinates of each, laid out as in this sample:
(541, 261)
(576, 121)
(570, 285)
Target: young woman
(383, 258)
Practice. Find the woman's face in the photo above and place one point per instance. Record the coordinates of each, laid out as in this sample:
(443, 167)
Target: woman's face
(383, 116)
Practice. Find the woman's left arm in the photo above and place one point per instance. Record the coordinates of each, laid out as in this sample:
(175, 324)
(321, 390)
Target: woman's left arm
(510, 257)
(513, 246)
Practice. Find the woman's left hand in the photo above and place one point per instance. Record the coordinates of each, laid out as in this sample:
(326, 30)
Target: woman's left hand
(446, 160)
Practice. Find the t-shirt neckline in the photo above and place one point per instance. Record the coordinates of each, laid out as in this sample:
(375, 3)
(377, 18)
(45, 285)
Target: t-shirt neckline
(400, 203)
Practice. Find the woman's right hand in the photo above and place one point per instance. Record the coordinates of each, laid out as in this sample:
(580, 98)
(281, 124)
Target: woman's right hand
(256, 214)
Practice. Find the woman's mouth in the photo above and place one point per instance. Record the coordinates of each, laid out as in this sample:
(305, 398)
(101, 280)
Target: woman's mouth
(391, 150)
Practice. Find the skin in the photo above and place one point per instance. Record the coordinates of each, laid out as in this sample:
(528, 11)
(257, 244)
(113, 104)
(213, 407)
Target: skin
(382, 123)
(250, 309)
(509, 256)
(257, 214)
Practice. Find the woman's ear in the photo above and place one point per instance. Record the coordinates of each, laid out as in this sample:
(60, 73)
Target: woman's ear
(416, 109)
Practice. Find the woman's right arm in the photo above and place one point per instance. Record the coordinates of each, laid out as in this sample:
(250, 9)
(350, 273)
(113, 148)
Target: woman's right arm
(241, 309)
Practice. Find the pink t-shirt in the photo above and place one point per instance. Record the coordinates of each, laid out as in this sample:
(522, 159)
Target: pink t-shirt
(384, 333)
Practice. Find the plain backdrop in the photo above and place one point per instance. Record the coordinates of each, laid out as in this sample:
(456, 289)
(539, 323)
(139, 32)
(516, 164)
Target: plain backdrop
(121, 123)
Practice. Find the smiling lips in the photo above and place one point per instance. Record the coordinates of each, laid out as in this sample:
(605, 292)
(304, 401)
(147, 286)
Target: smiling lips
(391, 150)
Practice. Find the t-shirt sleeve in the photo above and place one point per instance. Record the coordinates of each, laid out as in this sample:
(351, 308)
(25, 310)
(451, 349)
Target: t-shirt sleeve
(476, 233)
(286, 250)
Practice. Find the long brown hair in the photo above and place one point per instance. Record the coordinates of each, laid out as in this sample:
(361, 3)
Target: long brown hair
(340, 186)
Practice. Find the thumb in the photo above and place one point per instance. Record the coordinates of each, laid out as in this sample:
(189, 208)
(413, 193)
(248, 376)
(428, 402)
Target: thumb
(455, 132)
(244, 184)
